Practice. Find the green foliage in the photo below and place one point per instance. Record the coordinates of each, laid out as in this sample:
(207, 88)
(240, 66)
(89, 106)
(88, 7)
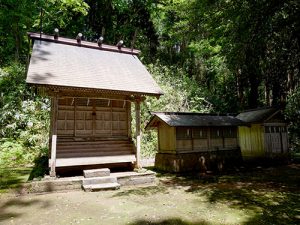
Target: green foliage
(24, 119)
(16, 17)
(181, 94)
(122, 20)
(292, 113)
(11, 178)
(11, 153)
(66, 15)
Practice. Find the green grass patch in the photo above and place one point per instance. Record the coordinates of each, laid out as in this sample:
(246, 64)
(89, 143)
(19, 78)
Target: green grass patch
(11, 178)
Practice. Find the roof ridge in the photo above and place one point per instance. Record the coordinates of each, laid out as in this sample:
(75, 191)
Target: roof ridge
(194, 113)
(86, 44)
(260, 108)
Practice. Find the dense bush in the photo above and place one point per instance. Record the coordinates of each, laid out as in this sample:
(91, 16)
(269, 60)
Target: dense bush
(24, 119)
(292, 113)
(181, 94)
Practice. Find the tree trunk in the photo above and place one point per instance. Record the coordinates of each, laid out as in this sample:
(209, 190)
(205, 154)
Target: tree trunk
(253, 96)
(17, 41)
(240, 89)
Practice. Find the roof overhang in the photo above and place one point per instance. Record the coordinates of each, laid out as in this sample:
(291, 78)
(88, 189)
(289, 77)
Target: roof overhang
(64, 64)
(260, 115)
(180, 119)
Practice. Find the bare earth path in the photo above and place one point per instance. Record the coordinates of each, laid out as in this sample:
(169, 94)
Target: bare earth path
(250, 198)
(112, 207)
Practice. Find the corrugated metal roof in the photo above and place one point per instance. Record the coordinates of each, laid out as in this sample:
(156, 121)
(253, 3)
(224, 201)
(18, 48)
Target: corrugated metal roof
(257, 115)
(193, 119)
(66, 65)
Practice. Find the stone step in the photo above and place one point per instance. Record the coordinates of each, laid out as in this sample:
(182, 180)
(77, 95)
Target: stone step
(105, 172)
(101, 187)
(99, 180)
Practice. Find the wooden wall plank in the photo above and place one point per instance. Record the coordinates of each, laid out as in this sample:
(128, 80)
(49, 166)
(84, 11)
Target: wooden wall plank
(167, 138)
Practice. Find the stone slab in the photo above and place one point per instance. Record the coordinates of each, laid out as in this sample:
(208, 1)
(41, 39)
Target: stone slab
(138, 180)
(96, 173)
(53, 184)
(99, 180)
(101, 187)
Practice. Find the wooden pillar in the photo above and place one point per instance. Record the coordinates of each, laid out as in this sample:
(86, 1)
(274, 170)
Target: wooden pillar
(129, 134)
(138, 131)
(53, 135)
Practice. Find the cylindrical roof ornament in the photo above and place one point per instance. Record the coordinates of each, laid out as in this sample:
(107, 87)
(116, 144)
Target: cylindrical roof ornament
(120, 44)
(56, 33)
(78, 38)
(100, 41)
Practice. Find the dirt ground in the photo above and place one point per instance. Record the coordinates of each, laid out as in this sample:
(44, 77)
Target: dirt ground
(261, 196)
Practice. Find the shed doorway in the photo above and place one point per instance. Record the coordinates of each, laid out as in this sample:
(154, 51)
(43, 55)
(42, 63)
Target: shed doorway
(93, 118)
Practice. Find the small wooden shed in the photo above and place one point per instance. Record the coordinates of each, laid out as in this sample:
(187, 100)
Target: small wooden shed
(264, 135)
(91, 88)
(195, 141)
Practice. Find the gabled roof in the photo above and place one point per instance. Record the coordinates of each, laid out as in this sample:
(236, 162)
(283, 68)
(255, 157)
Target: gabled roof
(64, 63)
(181, 119)
(258, 115)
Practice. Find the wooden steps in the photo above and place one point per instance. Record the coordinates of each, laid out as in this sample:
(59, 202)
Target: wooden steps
(83, 161)
(98, 180)
(76, 153)
(96, 173)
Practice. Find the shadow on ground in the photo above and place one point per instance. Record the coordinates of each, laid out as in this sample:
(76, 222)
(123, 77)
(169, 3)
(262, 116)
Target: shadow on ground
(285, 178)
(8, 209)
(143, 191)
(40, 168)
(269, 207)
(172, 221)
(272, 194)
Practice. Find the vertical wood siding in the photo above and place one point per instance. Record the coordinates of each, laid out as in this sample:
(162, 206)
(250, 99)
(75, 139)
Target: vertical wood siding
(190, 139)
(166, 138)
(252, 140)
(92, 117)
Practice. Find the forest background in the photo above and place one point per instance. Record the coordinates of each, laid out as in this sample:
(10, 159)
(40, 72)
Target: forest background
(220, 56)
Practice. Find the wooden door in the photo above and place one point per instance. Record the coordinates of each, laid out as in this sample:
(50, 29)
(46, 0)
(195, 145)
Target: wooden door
(65, 117)
(119, 118)
(83, 117)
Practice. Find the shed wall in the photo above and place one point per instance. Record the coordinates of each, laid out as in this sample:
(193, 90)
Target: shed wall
(252, 141)
(276, 138)
(211, 139)
(263, 140)
(166, 138)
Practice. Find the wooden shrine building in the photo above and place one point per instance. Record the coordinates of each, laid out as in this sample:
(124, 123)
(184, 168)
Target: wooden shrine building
(195, 141)
(92, 87)
(264, 134)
